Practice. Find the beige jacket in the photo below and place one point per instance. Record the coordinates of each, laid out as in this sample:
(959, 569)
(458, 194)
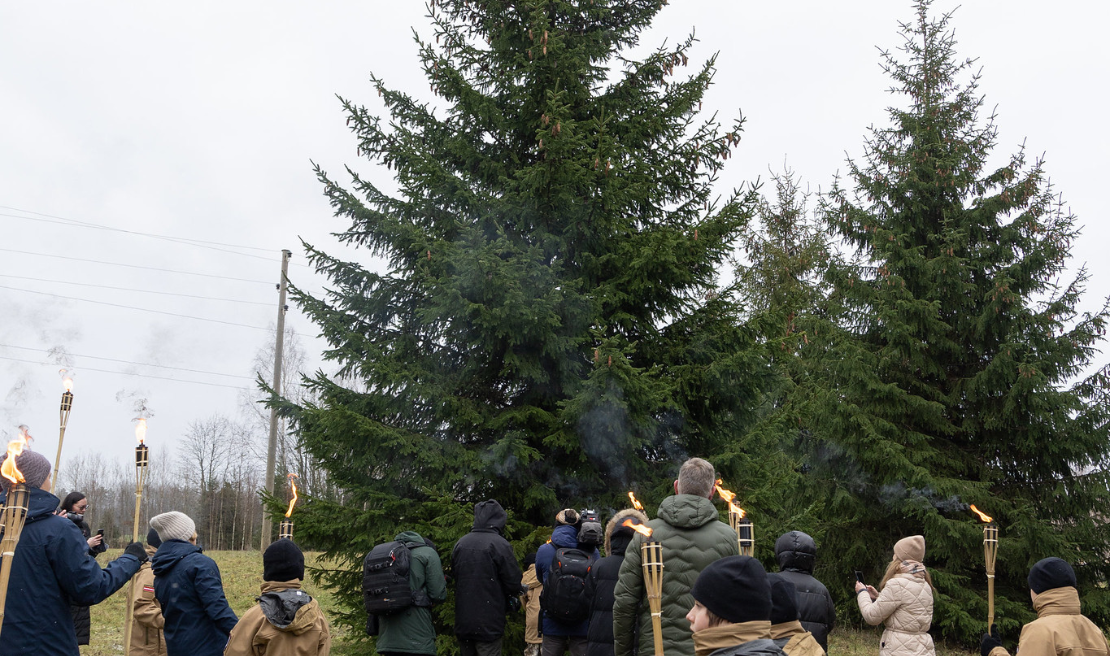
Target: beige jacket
(905, 608)
(531, 602)
(308, 634)
(1059, 629)
(795, 640)
(146, 627)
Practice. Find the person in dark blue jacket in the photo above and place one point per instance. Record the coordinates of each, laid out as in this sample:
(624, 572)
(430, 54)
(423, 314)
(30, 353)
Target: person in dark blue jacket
(559, 637)
(187, 585)
(51, 569)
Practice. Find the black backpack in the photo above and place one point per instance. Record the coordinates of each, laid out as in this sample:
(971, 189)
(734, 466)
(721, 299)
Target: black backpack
(564, 597)
(385, 579)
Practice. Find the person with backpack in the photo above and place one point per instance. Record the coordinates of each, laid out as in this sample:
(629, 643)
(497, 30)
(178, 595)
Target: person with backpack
(487, 575)
(406, 628)
(796, 553)
(563, 565)
(287, 621)
(603, 580)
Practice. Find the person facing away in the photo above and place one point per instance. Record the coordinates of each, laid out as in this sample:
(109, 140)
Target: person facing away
(286, 621)
(1060, 629)
(531, 589)
(731, 613)
(486, 576)
(786, 630)
(410, 631)
(187, 584)
(691, 537)
(796, 554)
(603, 581)
(147, 622)
(51, 569)
(561, 636)
(905, 605)
(74, 506)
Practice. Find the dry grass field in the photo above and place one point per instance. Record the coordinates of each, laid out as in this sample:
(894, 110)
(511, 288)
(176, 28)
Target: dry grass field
(242, 576)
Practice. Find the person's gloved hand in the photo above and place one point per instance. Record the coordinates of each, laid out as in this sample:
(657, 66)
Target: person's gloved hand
(514, 604)
(990, 641)
(137, 550)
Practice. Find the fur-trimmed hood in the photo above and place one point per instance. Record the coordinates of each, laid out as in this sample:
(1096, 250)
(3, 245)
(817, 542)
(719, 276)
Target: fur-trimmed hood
(615, 524)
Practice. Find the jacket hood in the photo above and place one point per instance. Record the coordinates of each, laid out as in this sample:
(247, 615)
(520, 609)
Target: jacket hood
(490, 515)
(565, 537)
(687, 511)
(529, 579)
(614, 528)
(411, 538)
(170, 554)
(287, 607)
(1057, 601)
(40, 503)
(796, 551)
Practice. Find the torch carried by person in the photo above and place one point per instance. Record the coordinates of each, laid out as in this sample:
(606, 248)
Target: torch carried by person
(142, 461)
(745, 532)
(286, 529)
(635, 504)
(13, 514)
(651, 555)
(67, 405)
(990, 551)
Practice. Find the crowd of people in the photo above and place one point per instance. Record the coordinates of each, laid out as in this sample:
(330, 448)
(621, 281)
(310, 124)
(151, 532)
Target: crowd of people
(583, 592)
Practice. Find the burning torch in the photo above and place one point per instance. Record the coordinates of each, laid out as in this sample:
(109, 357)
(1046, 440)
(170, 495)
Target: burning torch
(635, 504)
(14, 512)
(745, 532)
(142, 460)
(651, 555)
(67, 405)
(990, 551)
(286, 529)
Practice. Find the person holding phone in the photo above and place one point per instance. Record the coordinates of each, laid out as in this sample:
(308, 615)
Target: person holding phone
(904, 602)
(75, 505)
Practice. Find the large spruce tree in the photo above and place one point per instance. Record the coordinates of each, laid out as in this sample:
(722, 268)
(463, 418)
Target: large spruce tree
(956, 367)
(546, 330)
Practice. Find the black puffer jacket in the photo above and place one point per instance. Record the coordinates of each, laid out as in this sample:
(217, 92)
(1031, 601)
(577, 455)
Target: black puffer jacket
(603, 581)
(796, 554)
(486, 575)
(82, 619)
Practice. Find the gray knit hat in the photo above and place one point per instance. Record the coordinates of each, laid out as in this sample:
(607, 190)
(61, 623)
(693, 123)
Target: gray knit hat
(34, 467)
(173, 525)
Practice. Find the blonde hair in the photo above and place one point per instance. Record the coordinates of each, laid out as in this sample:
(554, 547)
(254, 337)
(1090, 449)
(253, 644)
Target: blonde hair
(895, 568)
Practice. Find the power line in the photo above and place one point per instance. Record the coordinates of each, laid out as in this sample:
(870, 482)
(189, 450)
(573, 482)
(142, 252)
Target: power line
(125, 373)
(131, 307)
(142, 291)
(136, 266)
(139, 364)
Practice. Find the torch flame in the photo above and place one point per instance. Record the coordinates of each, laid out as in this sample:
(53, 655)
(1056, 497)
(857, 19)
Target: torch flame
(67, 380)
(15, 449)
(728, 497)
(983, 518)
(293, 501)
(635, 504)
(639, 528)
(140, 429)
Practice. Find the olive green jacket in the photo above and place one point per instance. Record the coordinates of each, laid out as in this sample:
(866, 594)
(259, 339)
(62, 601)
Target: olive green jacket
(410, 631)
(692, 537)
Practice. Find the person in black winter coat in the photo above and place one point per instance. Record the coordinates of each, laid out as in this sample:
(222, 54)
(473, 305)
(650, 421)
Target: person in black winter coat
(52, 568)
(188, 587)
(603, 580)
(486, 577)
(796, 554)
(74, 506)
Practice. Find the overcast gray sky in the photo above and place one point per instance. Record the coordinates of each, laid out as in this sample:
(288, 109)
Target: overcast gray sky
(199, 119)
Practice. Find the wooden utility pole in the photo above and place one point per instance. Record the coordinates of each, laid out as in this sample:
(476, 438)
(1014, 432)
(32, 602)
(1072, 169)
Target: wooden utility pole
(279, 344)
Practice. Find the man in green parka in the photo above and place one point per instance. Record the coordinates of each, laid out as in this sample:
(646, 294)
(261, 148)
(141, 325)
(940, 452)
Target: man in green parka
(692, 536)
(410, 631)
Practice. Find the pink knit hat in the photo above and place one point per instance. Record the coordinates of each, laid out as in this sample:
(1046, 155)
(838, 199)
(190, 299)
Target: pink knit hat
(911, 548)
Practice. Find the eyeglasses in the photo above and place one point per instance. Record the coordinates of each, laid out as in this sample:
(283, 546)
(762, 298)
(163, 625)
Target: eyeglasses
(81, 508)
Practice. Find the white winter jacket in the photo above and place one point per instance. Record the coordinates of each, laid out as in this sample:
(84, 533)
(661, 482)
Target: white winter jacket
(905, 607)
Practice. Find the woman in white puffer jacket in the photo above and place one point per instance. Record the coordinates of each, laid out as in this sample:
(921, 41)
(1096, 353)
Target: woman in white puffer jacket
(905, 605)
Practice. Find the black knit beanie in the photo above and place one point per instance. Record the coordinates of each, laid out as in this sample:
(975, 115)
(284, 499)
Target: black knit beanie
(152, 538)
(784, 600)
(529, 560)
(1051, 573)
(735, 589)
(283, 561)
